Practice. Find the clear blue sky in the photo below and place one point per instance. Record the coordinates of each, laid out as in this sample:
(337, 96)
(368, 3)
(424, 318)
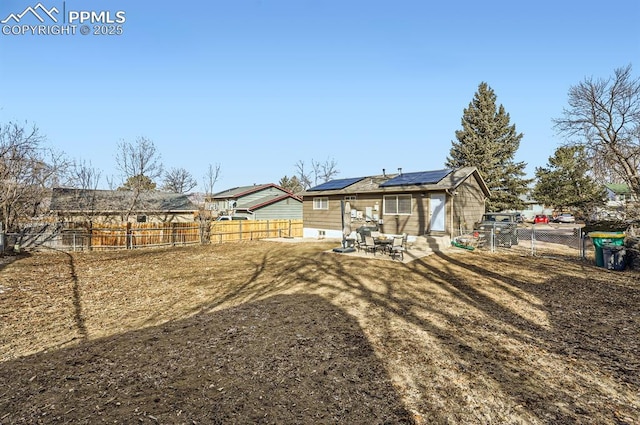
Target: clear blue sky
(256, 85)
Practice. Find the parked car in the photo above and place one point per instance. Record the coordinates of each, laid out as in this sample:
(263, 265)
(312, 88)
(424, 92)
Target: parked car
(565, 218)
(541, 219)
(230, 217)
(502, 225)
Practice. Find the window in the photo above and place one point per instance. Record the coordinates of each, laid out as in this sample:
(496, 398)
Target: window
(350, 198)
(397, 204)
(321, 203)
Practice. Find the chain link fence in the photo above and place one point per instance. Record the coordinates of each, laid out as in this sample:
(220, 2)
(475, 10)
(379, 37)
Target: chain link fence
(530, 240)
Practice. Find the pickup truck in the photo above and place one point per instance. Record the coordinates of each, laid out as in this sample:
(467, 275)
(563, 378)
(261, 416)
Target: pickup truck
(504, 227)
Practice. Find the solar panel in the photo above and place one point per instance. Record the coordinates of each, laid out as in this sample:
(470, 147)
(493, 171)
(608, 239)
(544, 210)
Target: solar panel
(421, 177)
(336, 184)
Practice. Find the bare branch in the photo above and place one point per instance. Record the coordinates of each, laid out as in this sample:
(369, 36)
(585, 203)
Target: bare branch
(210, 179)
(178, 180)
(303, 176)
(604, 117)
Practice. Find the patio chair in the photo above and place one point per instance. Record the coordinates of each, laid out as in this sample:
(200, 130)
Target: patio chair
(369, 245)
(397, 247)
(360, 242)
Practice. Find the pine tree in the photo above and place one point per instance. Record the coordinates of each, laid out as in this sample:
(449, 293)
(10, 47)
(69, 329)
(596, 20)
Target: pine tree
(489, 142)
(565, 182)
(292, 184)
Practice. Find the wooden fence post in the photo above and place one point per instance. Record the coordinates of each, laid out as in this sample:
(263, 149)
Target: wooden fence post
(127, 235)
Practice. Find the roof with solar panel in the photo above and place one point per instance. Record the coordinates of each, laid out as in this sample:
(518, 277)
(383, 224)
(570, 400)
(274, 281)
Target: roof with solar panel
(419, 178)
(435, 180)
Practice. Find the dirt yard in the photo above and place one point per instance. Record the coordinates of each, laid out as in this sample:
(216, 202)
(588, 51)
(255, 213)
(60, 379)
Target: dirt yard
(268, 332)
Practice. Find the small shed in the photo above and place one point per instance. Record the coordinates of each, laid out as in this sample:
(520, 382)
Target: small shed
(442, 202)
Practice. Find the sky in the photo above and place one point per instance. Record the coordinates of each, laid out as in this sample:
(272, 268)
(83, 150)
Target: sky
(258, 85)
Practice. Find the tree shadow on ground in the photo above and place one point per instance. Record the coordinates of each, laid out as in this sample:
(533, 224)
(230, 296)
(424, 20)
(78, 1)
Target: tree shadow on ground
(467, 338)
(483, 344)
(283, 359)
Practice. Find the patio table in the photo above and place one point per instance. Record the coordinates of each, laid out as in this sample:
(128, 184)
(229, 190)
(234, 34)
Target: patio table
(383, 244)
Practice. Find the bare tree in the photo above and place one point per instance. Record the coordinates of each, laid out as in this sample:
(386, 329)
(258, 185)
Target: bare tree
(27, 172)
(140, 158)
(84, 175)
(321, 172)
(178, 180)
(304, 177)
(139, 162)
(210, 179)
(327, 170)
(604, 117)
(85, 178)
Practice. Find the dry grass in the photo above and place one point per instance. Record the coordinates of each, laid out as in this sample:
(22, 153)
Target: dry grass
(289, 333)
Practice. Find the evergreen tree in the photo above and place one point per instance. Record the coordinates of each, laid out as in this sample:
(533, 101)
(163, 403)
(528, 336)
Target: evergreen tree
(292, 184)
(139, 182)
(489, 142)
(565, 183)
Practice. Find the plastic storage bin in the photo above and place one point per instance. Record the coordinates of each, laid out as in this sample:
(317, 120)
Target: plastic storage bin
(600, 239)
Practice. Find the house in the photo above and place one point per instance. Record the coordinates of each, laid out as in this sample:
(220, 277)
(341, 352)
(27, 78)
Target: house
(533, 207)
(257, 202)
(618, 194)
(117, 206)
(439, 203)
(618, 198)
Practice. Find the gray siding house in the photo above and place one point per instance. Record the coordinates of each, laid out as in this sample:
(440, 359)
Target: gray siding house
(258, 202)
(436, 203)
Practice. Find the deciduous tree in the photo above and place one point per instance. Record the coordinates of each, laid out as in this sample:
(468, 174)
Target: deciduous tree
(28, 170)
(178, 180)
(140, 164)
(210, 178)
(320, 172)
(603, 116)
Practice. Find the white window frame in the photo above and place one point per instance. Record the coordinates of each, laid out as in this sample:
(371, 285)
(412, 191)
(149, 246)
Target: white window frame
(395, 200)
(321, 203)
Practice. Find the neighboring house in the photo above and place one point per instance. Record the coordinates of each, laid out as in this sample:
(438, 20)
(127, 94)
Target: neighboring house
(618, 194)
(618, 198)
(113, 206)
(440, 202)
(532, 207)
(257, 202)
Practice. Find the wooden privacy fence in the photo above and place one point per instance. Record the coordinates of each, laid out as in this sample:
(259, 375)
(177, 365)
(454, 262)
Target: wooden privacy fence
(135, 235)
(78, 237)
(245, 230)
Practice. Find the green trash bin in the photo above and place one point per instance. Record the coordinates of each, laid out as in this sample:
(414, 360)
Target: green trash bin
(600, 239)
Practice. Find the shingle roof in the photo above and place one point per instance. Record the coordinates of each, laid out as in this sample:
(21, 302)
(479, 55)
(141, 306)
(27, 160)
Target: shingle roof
(265, 201)
(237, 192)
(618, 188)
(69, 200)
(370, 184)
